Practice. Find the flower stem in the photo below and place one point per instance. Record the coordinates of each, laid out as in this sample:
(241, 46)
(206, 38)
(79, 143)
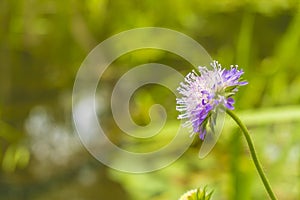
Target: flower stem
(253, 154)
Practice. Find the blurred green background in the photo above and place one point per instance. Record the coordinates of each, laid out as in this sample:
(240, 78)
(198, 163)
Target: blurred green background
(42, 44)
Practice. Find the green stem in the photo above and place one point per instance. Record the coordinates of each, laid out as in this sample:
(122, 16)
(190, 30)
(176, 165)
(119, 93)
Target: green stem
(253, 154)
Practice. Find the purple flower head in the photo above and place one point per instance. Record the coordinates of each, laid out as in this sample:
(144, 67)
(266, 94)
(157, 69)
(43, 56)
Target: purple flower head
(206, 93)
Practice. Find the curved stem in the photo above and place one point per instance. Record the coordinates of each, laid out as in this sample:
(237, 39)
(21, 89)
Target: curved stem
(253, 154)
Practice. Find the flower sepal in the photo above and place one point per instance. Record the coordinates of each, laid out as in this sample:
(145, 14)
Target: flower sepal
(197, 194)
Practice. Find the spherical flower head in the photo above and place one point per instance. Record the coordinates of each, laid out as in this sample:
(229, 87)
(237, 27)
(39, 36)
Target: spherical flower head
(206, 94)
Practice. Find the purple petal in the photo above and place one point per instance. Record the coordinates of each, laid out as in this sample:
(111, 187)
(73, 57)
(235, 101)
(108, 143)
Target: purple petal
(204, 92)
(202, 133)
(230, 100)
(229, 103)
(243, 83)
